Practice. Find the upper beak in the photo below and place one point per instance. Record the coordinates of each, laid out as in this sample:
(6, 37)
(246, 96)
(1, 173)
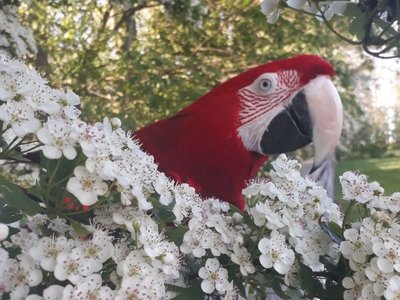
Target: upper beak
(314, 114)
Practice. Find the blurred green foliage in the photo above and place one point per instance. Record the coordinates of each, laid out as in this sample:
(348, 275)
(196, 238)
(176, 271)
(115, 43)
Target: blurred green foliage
(145, 60)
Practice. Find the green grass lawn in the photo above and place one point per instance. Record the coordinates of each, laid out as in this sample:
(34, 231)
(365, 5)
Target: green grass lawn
(384, 170)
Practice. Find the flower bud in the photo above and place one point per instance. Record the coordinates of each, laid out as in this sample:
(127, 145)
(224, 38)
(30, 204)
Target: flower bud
(115, 122)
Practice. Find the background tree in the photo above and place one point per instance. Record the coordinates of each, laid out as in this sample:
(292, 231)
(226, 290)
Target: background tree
(142, 61)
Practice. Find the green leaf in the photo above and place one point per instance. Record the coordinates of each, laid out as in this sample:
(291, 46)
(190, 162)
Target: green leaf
(19, 158)
(175, 234)
(385, 26)
(356, 27)
(334, 290)
(334, 231)
(276, 286)
(15, 197)
(3, 143)
(352, 10)
(79, 228)
(310, 284)
(193, 292)
(10, 215)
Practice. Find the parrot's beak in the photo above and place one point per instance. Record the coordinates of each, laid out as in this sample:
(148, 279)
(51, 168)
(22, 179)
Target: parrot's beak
(315, 115)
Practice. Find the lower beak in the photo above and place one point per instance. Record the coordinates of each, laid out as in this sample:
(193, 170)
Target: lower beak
(315, 115)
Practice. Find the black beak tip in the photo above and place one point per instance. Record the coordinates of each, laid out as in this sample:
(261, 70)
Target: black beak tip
(289, 130)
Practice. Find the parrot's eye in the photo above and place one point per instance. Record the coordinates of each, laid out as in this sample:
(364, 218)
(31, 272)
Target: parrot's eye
(265, 84)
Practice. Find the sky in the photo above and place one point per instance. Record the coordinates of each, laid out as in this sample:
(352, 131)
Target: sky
(388, 74)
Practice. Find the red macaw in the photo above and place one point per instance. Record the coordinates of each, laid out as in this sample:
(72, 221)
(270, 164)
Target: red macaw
(219, 142)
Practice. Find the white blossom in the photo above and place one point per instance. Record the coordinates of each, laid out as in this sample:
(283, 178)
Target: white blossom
(86, 186)
(13, 34)
(55, 135)
(97, 250)
(379, 278)
(136, 264)
(151, 287)
(90, 288)
(241, 257)
(18, 275)
(24, 240)
(197, 239)
(393, 289)
(356, 187)
(73, 266)
(163, 186)
(48, 248)
(388, 253)
(275, 253)
(20, 116)
(214, 277)
(354, 286)
(356, 246)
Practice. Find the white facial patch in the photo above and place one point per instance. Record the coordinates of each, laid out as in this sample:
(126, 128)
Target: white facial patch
(261, 101)
(252, 132)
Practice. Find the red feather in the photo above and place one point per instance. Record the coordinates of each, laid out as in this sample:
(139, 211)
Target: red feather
(200, 145)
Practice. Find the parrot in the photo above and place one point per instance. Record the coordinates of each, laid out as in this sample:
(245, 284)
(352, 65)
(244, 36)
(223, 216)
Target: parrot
(218, 143)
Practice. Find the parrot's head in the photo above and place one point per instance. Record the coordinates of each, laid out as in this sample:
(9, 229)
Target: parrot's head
(287, 104)
(219, 142)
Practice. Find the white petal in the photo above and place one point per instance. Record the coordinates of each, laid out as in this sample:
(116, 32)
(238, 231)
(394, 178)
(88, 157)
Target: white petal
(69, 152)
(19, 130)
(74, 186)
(348, 283)
(207, 286)
(87, 198)
(19, 292)
(359, 257)
(44, 136)
(32, 125)
(4, 230)
(35, 277)
(273, 18)
(268, 6)
(101, 188)
(72, 98)
(72, 112)
(51, 152)
(264, 245)
(346, 248)
(50, 107)
(4, 116)
(81, 172)
(212, 264)
(384, 265)
(34, 297)
(53, 292)
(266, 261)
(203, 274)
(48, 264)
(297, 4)
(379, 249)
(281, 268)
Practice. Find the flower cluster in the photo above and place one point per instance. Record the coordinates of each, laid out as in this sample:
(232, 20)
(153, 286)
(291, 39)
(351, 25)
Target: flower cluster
(102, 222)
(327, 9)
(291, 208)
(13, 36)
(371, 246)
